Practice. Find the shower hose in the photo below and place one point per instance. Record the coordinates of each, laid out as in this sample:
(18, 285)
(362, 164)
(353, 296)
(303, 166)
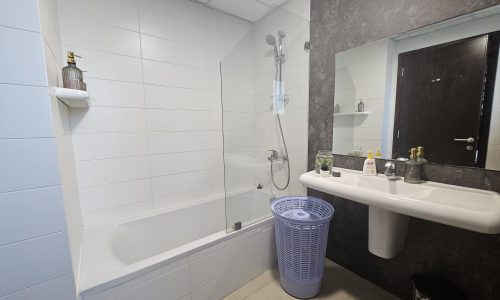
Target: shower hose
(287, 160)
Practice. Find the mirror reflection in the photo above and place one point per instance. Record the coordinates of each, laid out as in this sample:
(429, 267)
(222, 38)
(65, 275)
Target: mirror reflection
(434, 87)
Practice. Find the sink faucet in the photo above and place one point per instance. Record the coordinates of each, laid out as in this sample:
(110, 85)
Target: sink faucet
(390, 170)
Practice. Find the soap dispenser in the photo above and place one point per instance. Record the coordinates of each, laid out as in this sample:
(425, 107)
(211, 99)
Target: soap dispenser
(72, 76)
(369, 167)
(420, 155)
(361, 106)
(413, 168)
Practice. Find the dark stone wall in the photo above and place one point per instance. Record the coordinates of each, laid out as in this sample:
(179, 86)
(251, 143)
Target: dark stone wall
(470, 260)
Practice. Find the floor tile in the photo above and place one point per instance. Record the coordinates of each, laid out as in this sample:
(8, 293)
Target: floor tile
(338, 284)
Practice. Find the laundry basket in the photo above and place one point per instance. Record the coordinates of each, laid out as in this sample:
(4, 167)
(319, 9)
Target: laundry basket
(301, 225)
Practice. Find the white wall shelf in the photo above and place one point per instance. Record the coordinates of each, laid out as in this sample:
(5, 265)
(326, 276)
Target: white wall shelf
(364, 113)
(73, 98)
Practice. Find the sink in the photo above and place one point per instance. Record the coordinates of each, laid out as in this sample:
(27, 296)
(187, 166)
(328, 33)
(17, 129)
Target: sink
(391, 202)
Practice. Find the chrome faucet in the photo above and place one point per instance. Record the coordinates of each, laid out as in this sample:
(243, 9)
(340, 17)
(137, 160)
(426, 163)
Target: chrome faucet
(273, 155)
(390, 170)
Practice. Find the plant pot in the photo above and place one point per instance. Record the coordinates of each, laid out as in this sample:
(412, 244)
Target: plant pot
(324, 173)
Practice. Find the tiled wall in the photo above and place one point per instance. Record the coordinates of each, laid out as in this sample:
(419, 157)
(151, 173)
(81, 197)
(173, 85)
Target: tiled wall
(293, 19)
(470, 259)
(152, 137)
(35, 259)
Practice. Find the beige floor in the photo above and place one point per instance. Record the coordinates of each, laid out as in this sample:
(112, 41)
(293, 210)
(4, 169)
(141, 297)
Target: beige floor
(338, 284)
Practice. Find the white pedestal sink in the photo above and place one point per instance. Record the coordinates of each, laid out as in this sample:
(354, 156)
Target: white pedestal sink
(391, 202)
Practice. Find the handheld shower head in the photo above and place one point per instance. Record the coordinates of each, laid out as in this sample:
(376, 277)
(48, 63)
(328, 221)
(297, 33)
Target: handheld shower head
(271, 41)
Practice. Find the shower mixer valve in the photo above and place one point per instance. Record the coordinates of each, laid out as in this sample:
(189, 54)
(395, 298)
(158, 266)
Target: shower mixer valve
(275, 156)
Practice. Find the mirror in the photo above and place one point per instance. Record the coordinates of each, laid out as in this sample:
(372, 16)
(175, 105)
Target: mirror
(436, 87)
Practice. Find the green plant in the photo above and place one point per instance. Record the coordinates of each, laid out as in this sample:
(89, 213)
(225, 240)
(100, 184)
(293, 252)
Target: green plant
(324, 164)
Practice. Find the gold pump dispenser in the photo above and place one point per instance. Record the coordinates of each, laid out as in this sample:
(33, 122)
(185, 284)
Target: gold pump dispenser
(73, 76)
(420, 155)
(413, 167)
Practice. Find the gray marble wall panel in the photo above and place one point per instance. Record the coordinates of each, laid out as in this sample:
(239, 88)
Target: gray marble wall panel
(471, 260)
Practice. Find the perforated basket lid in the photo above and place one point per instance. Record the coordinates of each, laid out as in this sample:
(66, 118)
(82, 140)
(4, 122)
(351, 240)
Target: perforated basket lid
(302, 209)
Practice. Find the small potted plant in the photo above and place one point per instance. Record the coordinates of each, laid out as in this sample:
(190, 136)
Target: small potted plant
(324, 169)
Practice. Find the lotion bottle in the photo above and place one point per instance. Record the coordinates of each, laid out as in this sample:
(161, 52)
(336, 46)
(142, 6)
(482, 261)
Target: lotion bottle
(369, 167)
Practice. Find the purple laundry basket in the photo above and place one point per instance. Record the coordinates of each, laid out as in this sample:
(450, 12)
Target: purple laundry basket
(301, 224)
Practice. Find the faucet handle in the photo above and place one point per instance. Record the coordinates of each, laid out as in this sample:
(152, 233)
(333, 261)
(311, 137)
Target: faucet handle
(274, 154)
(390, 165)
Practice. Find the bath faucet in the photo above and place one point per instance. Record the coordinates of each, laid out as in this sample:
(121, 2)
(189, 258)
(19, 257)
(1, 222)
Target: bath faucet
(390, 170)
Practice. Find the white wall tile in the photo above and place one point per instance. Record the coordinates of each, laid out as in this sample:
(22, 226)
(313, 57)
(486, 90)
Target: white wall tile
(115, 93)
(186, 197)
(165, 164)
(108, 120)
(119, 212)
(177, 120)
(107, 196)
(269, 254)
(164, 50)
(23, 58)
(221, 262)
(119, 13)
(28, 163)
(175, 98)
(239, 138)
(165, 186)
(172, 285)
(239, 121)
(42, 213)
(84, 34)
(176, 272)
(105, 171)
(174, 75)
(109, 145)
(187, 11)
(25, 112)
(170, 142)
(31, 262)
(20, 14)
(49, 25)
(238, 102)
(102, 65)
(62, 288)
(230, 282)
(172, 28)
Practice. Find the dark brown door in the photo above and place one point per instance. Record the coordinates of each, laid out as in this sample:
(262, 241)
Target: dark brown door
(438, 102)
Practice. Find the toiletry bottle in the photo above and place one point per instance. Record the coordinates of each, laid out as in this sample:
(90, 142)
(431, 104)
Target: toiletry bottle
(378, 154)
(413, 168)
(336, 109)
(72, 76)
(369, 167)
(361, 106)
(420, 155)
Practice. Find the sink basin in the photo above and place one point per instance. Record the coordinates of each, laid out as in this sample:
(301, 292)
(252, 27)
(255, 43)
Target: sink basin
(392, 201)
(466, 208)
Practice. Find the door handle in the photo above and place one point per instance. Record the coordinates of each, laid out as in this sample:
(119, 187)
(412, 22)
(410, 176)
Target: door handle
(469, 140)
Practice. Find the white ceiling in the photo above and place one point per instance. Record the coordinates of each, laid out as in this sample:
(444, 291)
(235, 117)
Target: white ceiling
(250, 10)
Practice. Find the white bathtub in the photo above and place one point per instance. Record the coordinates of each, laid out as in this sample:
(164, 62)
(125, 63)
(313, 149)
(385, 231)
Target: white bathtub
(179, 253)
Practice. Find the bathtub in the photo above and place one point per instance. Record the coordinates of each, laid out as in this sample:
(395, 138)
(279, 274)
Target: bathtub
(181, 253)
